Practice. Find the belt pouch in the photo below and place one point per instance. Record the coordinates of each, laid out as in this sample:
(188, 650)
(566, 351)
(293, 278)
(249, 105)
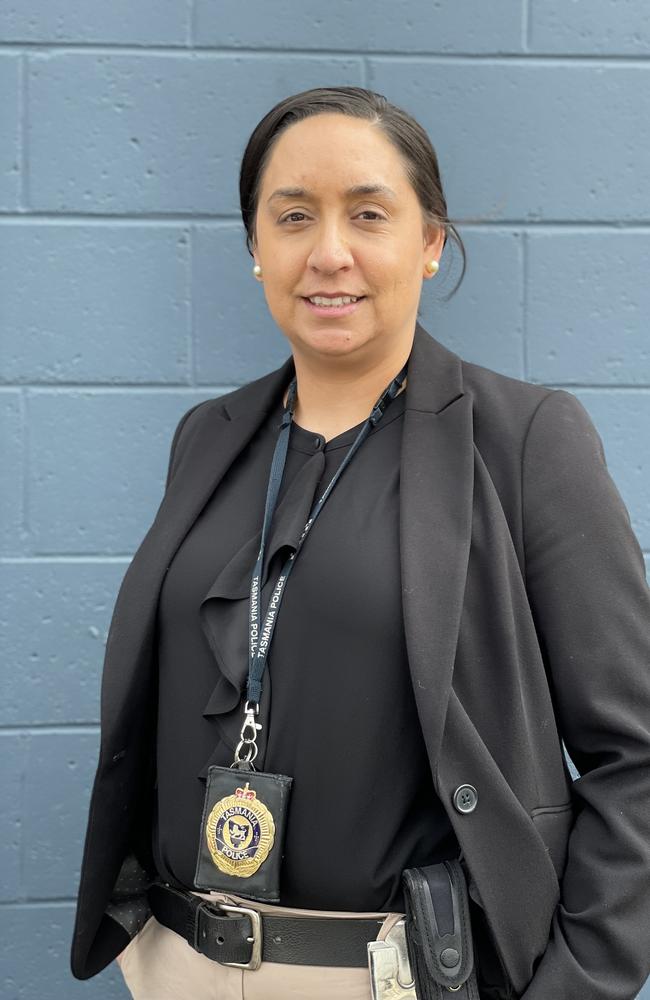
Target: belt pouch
(439, 932)
(242, 833)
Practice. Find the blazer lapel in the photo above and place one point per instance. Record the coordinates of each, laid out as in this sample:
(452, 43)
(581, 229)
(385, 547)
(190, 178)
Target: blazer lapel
(436, 488)
(436, 510)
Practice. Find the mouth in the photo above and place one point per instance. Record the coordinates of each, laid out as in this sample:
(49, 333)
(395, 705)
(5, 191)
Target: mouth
(340, 306)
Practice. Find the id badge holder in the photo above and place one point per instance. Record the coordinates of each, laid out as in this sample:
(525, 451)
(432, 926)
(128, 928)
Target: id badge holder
(243, 826)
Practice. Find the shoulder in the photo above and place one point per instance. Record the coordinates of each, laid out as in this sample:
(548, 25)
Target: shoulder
(545, 440)
(545, 458)
(256, 396)
(184, 428)
(498, 397)
(523, 430)
(509, 410)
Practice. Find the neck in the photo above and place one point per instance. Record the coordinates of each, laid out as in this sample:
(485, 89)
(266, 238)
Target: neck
(330, 399)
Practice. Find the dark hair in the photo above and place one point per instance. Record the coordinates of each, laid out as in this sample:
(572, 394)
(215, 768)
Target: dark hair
(400, 128)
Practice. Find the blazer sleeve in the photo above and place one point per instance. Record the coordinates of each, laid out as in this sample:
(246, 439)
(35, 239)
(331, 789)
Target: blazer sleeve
(128, 905)
(586, 582)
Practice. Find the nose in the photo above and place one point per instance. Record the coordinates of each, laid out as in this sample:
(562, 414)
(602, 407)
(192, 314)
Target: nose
(330, 250)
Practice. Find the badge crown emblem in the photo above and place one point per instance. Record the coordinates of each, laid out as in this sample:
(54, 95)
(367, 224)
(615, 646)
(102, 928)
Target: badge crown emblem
(245, 792)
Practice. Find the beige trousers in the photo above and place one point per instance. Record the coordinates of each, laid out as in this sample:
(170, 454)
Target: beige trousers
(160, 965)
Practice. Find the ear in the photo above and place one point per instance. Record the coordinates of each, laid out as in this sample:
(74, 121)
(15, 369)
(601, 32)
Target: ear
(434, 241)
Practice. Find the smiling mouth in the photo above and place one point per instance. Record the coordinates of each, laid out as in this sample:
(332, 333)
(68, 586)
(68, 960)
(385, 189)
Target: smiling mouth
(336, 302)
(340, 307)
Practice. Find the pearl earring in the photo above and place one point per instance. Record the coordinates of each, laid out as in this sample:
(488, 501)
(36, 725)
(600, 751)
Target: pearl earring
(257, 270)
(432, 266)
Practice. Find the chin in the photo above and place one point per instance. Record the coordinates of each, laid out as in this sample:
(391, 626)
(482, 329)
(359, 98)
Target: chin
(330, 341)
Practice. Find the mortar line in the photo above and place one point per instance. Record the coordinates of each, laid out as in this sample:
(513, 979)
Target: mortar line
(26, 442)
(609, 387)
(180, 49)
(192, 24)
(67, 559)
(147, 388)
(526, 13)
(525, 302)
(23, 786)
(52, 729)
(23, 193)
(191, 347)
(27, 904)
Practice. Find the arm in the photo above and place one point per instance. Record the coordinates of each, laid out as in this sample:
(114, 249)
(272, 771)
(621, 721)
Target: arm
(585, 577)
(128, 906)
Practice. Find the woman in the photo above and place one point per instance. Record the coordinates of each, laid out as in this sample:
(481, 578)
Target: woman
(468, 593)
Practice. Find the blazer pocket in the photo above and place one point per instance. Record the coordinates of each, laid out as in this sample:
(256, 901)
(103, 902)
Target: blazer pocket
(554, 824)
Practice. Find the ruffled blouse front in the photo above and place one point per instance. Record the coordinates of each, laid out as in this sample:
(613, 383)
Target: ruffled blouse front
(225, 608)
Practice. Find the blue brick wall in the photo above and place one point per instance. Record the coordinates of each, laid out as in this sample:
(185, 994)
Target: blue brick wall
(126, 295)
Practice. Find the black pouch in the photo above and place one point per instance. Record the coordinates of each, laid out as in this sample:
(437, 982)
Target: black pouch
(242, 833)
(439, 932)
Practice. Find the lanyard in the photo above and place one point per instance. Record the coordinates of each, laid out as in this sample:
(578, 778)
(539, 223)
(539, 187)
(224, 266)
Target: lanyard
(260, 634)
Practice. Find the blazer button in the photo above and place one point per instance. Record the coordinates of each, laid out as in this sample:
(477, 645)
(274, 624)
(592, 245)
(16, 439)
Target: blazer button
(465, 799)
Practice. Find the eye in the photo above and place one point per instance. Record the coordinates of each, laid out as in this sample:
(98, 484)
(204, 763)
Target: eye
(291, 215)
(369, 211)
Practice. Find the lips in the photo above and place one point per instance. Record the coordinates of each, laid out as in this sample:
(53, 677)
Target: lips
(333, 295)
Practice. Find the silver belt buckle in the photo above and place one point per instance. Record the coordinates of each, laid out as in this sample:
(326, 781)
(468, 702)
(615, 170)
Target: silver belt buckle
(390, 971)
(255, 940)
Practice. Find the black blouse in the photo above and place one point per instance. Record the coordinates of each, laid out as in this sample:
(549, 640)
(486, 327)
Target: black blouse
(337, 707)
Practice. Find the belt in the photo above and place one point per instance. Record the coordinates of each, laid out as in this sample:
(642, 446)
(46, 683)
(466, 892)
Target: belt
(243, 937)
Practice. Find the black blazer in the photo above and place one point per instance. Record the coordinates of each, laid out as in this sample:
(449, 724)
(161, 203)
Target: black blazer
(527, 621)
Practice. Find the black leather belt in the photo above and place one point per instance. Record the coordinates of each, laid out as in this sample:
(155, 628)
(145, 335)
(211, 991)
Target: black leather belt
(243, 937)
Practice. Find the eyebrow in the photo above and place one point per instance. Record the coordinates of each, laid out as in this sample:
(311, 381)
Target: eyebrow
(357, 189)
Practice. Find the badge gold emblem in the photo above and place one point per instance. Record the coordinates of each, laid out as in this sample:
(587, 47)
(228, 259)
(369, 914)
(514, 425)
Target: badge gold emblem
(240, 832)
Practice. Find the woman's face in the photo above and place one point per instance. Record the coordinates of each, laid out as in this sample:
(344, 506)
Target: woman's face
(325, 238)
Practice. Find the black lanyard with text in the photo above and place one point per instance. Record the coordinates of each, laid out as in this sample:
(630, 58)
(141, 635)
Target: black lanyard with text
(260, 635)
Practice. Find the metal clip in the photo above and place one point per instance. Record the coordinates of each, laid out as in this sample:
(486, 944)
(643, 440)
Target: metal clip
(390, 972)
(247, 736)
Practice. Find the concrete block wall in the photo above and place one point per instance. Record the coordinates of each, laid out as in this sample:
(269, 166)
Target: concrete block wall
(126, 295)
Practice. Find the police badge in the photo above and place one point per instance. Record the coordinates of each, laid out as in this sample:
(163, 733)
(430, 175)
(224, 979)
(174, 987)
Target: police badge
(242, 833)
